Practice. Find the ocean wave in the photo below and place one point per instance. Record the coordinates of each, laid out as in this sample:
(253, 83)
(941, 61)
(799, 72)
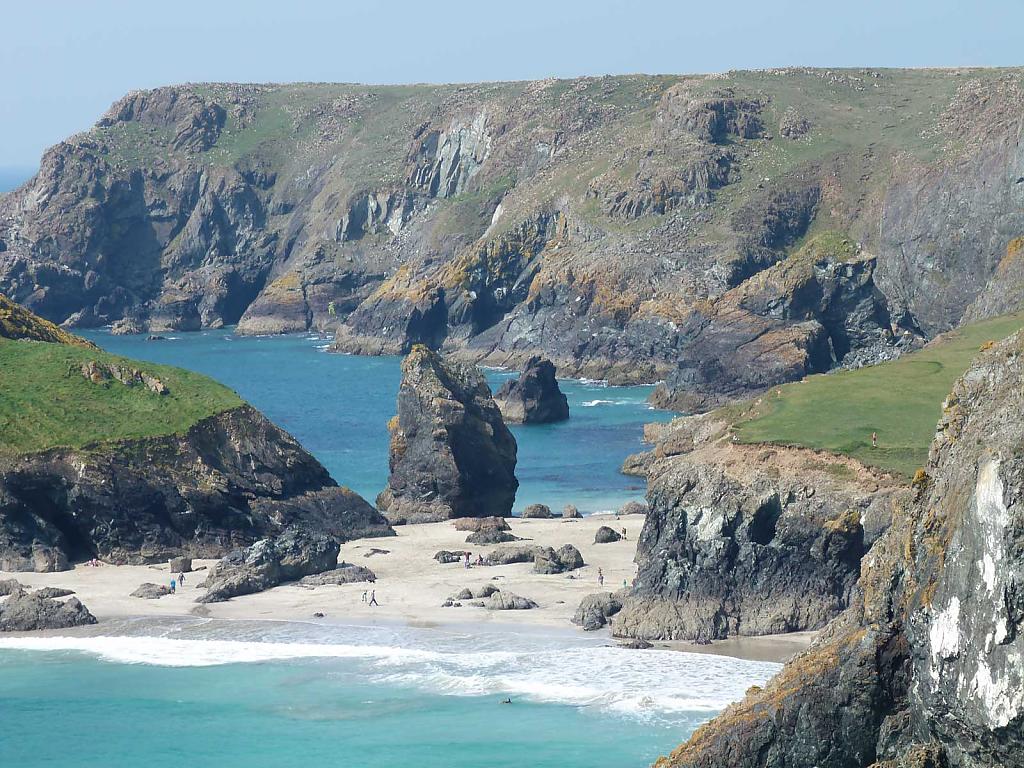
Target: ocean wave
(592, 403)
(653, 683)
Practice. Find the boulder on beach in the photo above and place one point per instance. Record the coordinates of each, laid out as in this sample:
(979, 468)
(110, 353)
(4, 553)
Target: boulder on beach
(474, 524)
(445, 556)
(566, 558)
(595, 610)
(533, 398)
(507, 601)
(24, 612)
(270, 562)
(451, 454)
(10, 586)
(524, 553)
(345, 573)
(490, 536)
(53, 592)
(181, 565)
(606, 535)
(150, 591)
(633, 508)
(570, 512)
(537, 511)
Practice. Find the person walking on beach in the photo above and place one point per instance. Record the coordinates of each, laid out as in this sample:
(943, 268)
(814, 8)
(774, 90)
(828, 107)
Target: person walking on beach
(623, 534)
(467, 554)
(874, 439)
(600, 577)
(373, 598)
(364, 595)
(181, 579)
(173, 586)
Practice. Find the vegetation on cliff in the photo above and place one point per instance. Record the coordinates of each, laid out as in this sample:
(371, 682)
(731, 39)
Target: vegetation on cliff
(899, 400)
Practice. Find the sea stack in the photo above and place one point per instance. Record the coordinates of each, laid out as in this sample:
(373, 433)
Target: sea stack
(533, 398)
(451, 453)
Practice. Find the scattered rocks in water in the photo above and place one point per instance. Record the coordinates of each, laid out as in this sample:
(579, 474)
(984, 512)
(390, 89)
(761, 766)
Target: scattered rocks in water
(474, 524)
(181, 565)
(270, 562)
(451, 454)
(445, 556)
(595, 610)
(490, 536)
(537, 511)
(606, 535)
(633, 508)
(24, 612)
(53, 592)
(345, 573)
(635, 644)
(533, 398)
(507, 601)
(570, 512)
(150, 591)
(156, 337)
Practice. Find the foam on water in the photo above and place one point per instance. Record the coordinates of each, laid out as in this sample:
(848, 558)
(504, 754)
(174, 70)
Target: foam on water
(559, 670)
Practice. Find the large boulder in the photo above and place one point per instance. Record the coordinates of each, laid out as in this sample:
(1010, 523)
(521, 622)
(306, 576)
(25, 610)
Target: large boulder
(566, 558)
(571, 512)
(451, 453)
(533, 398)
(24, 612)
(594, 610)
(151, 591)
(537, 511)
(181, 565)
(524, 553)
(474, 524)
(507, 601)
(925, 669)
(270, 562)
(490, 536)
(445, 556)
(606, 535)
(345, 573)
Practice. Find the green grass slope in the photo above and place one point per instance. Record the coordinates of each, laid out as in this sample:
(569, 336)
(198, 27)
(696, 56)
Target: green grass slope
(46, 402)
(900, 400)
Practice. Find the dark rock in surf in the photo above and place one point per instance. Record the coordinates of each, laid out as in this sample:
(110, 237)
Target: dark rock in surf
(533, 398)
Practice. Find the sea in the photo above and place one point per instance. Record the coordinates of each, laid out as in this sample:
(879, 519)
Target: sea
(208, 692)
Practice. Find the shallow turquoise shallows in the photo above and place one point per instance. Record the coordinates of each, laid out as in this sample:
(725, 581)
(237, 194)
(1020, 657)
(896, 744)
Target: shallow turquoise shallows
(338, 407)
(228, 694)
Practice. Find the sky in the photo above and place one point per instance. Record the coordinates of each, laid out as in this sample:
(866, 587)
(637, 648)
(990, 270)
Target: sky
(63, 62)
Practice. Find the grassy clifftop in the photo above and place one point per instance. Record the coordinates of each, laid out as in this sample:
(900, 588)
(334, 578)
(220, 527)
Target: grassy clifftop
(901, 401)
(59, 390)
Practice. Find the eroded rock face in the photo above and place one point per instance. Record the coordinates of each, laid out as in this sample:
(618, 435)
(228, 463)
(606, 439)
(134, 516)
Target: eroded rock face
(925, 668)
(533, 398)
(595, 610)
(269, 562)
(451, 453)
(230, 480)
(744, 540)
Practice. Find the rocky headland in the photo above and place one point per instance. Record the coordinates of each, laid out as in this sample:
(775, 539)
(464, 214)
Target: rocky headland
(534, 397)
(633, 228)
(924, 669)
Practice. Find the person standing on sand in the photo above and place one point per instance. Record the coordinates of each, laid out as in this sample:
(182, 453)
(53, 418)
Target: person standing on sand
(181, 579)
(364, 595)
(373, 598)
(467, 559)
(874, 439)
(600, 577)
(173, 586)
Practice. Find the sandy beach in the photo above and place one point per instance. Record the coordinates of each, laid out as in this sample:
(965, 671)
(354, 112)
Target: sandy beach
(411, 586)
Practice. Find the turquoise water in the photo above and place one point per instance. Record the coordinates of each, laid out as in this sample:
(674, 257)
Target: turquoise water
(295, 695)
(338, 407)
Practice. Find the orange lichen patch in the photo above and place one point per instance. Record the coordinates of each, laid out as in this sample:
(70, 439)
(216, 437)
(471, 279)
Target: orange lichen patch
(848, 522)
(615, 301)
(1014, 250)
(403, 285)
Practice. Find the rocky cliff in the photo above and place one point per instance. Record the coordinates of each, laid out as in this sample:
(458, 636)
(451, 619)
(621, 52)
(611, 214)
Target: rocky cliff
(925, 667)
(612, 224)
(133, 463)
(451, 454)
(748, 539)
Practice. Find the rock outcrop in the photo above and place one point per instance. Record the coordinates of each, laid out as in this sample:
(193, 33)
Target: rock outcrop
(925, 667)
(749, 540)
(536, 512)
(565, 558)
(606, 535)
(22, 611)
(269, 562)
(451, 453)
(226, 482)
(603, 223)
(151, 591)
(533, 398)
(595, 610)
(507, 601)
(345, 573)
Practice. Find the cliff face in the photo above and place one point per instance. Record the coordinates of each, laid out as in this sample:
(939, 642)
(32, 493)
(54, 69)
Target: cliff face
(925, 668)
(606, 223)
(748, 540)
(229, 480)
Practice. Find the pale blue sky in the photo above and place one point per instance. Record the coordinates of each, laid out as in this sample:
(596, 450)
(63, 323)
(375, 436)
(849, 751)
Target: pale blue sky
(62, 62)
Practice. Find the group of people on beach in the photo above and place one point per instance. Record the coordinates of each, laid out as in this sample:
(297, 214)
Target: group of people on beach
(373, 597)
(178, 582)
